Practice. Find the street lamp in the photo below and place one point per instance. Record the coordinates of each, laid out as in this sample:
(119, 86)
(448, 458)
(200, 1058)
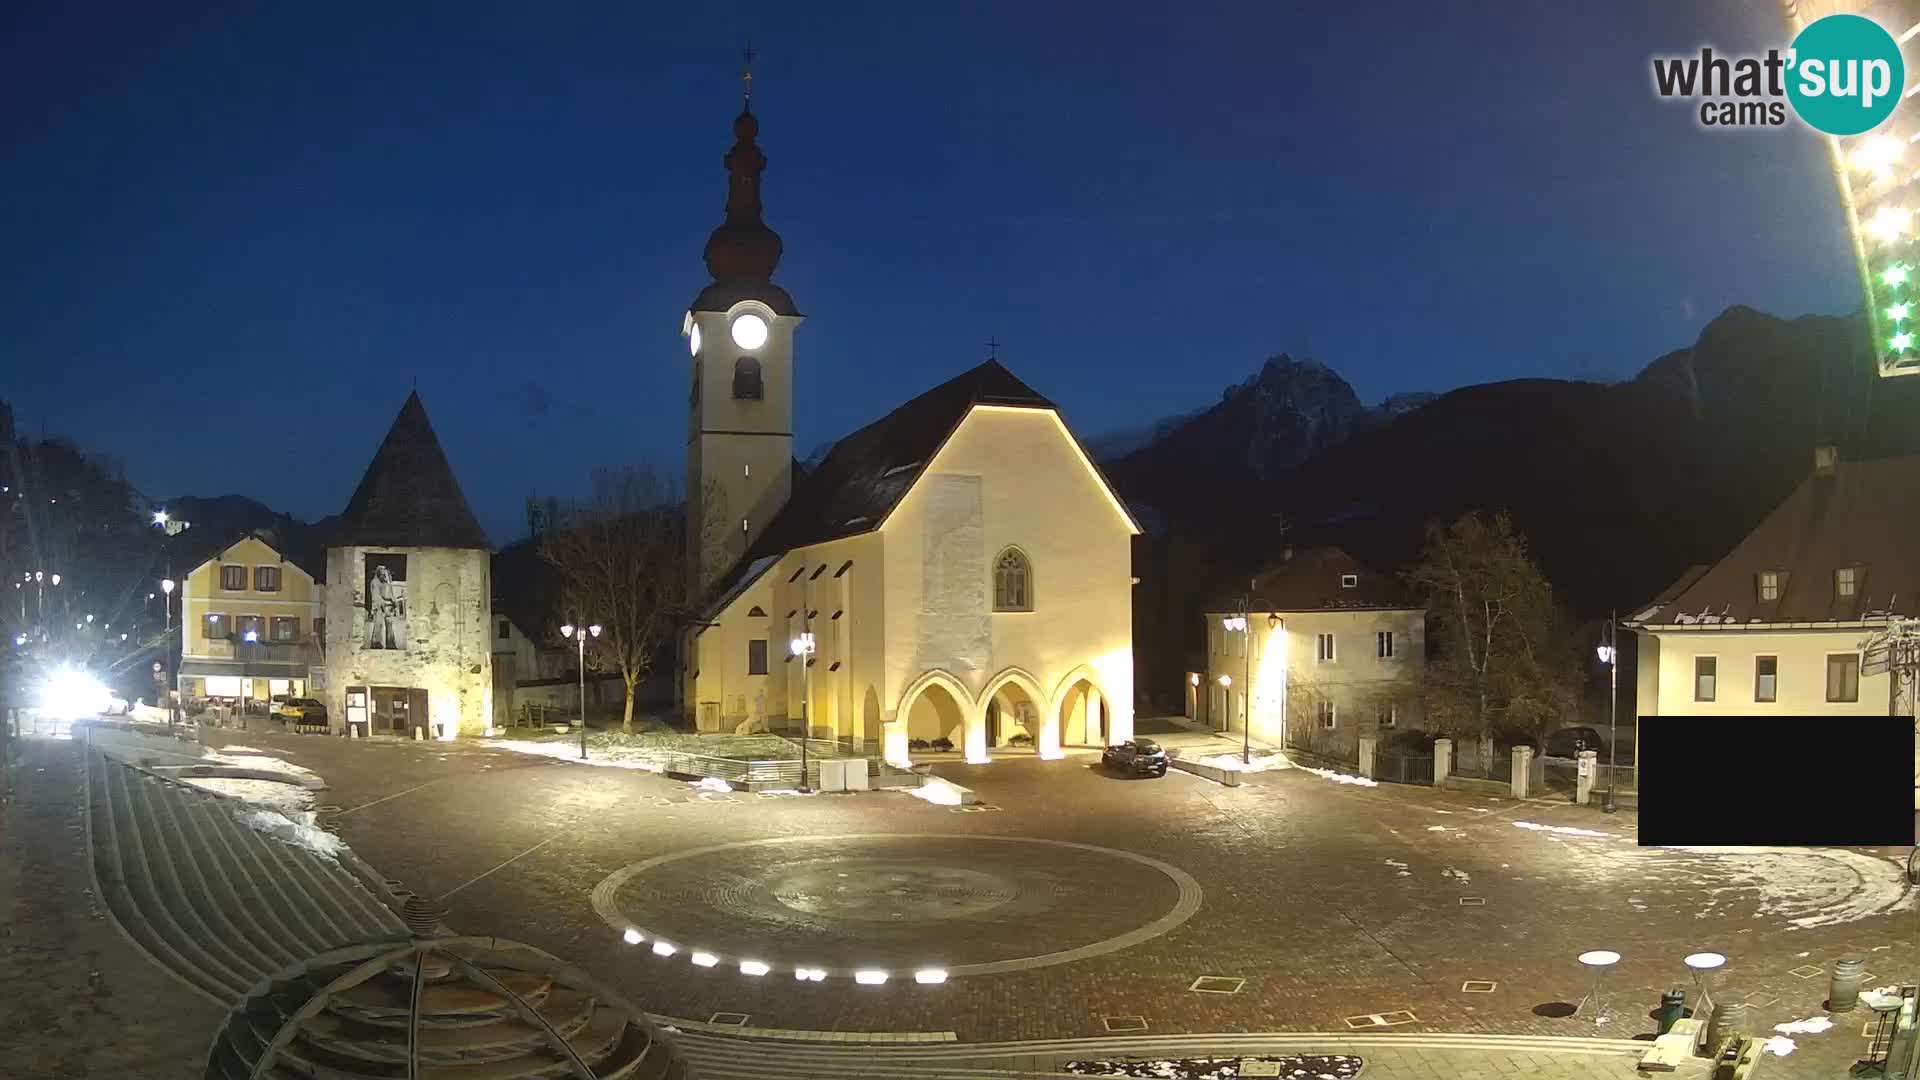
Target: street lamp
(166, 586)
(1610, 655)
(579, 634)
(803, 647)
(1240, 624)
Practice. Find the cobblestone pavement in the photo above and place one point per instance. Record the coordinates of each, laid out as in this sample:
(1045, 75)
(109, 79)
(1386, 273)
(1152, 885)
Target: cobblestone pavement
(1334, 903)
(78, 998)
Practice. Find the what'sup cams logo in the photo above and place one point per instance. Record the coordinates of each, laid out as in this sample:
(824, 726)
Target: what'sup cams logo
(1842, 75)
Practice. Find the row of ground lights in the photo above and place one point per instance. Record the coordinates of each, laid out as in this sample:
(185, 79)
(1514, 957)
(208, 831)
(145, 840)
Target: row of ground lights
(865, 976)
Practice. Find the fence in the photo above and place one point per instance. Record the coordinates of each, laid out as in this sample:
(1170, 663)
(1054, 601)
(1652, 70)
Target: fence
(1403, 768)
(1470, 762)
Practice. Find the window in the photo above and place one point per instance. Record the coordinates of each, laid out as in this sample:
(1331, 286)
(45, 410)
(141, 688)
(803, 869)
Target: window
(266, 579)
(504, 630)
(1383, 644)
(1845, 580)
(233, 578)
(746, 379)
(1012, 582)
(320, 630)
(250, 627)
(757, 656)
(1703, 677)
(1323, 648)
(216, 627)
(1327, 715)
(1349, 581)
(1386, 714)
(1766, 678)
(286, 628)
(1770, 585)
(1843, 677)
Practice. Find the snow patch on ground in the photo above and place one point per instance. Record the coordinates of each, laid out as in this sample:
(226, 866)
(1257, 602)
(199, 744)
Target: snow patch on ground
(1812, 887)
(271, 793)
(710, 783)
(1338, 778)
(609, 757)
(299, 833)
(1811, 1026)
(1560, 830)
(1457, 875)
(1779, 1046)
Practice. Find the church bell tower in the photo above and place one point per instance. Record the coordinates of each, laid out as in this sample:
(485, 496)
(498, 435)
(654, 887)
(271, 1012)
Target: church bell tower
(739, 332)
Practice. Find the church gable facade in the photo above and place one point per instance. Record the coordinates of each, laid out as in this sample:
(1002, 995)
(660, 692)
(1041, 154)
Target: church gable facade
(957, 573)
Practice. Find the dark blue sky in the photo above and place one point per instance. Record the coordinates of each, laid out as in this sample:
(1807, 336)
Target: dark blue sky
(236, 233)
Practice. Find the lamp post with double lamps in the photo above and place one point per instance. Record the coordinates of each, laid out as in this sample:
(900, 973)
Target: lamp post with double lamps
(1240, 623)
(1609, 655)
(579, 634)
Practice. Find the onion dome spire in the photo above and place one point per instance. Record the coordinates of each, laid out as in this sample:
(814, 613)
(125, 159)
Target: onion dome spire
(743, 250)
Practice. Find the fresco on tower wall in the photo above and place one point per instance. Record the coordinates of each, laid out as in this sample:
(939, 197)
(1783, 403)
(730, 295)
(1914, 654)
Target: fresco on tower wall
(386, 601)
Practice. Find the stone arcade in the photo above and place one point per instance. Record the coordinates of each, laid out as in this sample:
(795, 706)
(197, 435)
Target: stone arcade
(957, 570)
(408, 601)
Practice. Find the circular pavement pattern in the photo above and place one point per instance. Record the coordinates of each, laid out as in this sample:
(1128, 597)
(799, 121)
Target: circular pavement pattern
(970, 905)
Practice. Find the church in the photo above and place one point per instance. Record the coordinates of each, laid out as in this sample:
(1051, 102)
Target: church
(956, 573)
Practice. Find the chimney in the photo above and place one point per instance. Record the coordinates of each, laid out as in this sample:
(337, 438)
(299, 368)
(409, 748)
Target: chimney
(1825, 460)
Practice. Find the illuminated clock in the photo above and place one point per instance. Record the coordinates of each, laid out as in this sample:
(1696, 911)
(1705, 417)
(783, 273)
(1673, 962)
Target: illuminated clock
(749, 331)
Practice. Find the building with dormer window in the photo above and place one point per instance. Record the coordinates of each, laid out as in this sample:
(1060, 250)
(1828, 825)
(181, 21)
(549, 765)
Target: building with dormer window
(1790, 620)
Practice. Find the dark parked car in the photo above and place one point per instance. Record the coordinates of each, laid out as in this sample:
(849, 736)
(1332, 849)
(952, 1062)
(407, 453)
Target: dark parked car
(1567, 742)
(1143, 757)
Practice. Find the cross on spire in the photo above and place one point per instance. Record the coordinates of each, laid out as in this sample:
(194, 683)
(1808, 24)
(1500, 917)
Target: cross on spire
(746, 73)
(993, 348)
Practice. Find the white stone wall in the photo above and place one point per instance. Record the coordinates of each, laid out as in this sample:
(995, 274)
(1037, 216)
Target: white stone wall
(448, 648)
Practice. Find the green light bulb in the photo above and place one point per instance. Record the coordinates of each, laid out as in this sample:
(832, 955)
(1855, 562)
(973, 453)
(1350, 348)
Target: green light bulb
(1894, 275)
(1897, 312)
(1901, 342)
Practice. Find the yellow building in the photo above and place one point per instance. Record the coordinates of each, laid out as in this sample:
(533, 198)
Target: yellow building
(250, 623)
(957, 570)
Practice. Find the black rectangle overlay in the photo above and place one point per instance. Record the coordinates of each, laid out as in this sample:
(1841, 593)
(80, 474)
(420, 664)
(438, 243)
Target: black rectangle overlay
(1776, 781)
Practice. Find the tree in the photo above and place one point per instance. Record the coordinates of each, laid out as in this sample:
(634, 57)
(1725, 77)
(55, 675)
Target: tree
(619, 555)
(1505, 661)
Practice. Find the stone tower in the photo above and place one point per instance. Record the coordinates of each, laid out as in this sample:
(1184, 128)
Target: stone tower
(739, 331)
(408, 600)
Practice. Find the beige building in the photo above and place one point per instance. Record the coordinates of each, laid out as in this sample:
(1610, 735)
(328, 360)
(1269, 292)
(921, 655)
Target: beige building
(1327, 650)
(960, 567)
(409, 624)
(1788, 622)
(250, 621)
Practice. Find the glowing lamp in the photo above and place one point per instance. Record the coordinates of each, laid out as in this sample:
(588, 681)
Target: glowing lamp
(869, 977)
(753, 967)
(704, 959)
(749, 331)
(661, 948)
(1226, 680)
(166, 586)
(631, 937)
(930, 976)
(1605, 653)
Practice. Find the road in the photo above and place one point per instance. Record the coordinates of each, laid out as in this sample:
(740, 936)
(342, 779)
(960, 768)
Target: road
(1334, 903)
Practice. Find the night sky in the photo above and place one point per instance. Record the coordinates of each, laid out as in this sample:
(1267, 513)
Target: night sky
(236, 234)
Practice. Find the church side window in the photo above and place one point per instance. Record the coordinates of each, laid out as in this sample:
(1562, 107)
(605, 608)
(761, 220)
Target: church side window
(746, 379)
(1012, 581)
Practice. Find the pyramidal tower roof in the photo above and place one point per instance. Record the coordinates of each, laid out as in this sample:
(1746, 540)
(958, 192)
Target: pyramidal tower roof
(408, 497)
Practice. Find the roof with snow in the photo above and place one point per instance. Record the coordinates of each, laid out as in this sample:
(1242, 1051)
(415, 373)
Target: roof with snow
(1861, 516)
(408, 497)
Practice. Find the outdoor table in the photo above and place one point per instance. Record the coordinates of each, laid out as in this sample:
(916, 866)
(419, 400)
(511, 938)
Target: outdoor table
(1599, 960)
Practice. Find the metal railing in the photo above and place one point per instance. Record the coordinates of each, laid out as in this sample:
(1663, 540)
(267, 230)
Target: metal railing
(1402, 768)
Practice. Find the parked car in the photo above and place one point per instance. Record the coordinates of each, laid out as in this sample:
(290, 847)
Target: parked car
(1569, 741)
(1142, 757)
(273, 706)
(303, 710)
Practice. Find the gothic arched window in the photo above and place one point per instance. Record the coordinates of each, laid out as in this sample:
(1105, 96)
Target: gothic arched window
(1012, 581)
(746, 379)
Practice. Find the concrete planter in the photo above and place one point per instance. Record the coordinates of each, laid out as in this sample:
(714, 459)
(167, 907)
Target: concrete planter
(1227, 777)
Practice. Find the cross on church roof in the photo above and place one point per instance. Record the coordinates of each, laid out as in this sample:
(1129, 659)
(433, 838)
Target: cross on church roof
(746, 74)
(993, 348)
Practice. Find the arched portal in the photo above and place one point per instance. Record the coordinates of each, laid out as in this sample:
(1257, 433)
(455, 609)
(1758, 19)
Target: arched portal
(1083, 713)
(1015, 713)
(935, 706)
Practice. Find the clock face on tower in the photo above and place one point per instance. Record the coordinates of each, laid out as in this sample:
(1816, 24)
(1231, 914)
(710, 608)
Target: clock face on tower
(693, 339)
(749, 331)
